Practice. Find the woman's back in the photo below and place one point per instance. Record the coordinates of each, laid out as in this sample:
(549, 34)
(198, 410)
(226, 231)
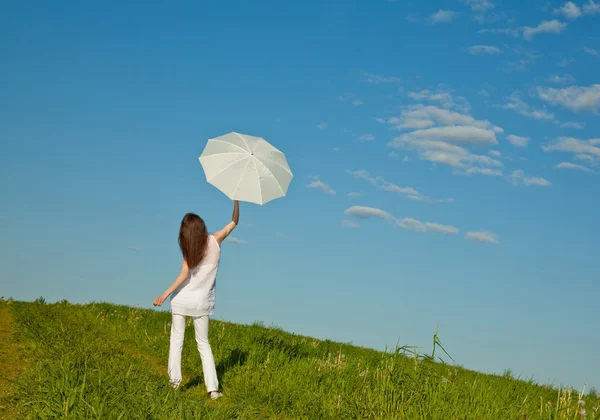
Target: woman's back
(196, 296)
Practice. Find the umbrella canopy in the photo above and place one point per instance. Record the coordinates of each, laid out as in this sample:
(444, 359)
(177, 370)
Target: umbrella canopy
(246, 168)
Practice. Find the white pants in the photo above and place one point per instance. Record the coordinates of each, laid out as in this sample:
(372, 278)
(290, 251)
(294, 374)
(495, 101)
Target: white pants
(208, 361)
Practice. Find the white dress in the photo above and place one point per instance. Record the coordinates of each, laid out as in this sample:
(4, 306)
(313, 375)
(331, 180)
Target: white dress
(196, 295)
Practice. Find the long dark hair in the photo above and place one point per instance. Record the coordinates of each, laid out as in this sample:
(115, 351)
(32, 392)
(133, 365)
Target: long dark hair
(193, 239)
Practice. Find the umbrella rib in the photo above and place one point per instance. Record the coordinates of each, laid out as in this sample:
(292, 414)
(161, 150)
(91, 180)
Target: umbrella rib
(262, 157)
(241, 177)
(244, 140)
(233, 144)
(258, 180)
(274, 177)
(226, 167)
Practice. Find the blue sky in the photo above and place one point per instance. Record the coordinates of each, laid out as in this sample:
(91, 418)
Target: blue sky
(446, 159)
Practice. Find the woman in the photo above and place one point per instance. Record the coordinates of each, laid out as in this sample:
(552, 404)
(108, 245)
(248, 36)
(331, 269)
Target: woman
(193, 294)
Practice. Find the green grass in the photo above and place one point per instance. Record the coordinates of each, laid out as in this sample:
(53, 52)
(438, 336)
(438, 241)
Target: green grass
(109, 362)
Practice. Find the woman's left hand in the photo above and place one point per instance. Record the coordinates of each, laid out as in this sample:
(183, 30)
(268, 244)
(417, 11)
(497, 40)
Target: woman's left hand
(159, 300)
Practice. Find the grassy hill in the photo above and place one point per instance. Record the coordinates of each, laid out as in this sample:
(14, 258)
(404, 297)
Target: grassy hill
(105, 361)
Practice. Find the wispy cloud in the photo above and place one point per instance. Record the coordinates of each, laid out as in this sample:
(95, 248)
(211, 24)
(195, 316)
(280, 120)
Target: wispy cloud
(518, 105)
(569, 10)
(378, 79)
(443, 97)
(519, 177)
(484, 50)
(569, 165)
(235, 240)
(514, 32)
(572, 11)
(547, 26)
(368, 213)
(350, 97)
(480, 5)
(280, 235)
(529, 32)
(518, 141)
(484, 237)
(350, 224)
(559, 80)
(565, 62)
(591, 51)
(573, 124)
(366, 137)
(354, 194)
(418, 226)
(442, 16)
(575, 98)
(583, 150)
(441, 136)
(322, 126)
(335, 149)
(133, 248)
(320, 185)
(407, 192)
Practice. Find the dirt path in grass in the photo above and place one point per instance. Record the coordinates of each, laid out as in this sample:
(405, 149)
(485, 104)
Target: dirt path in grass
(11, 364)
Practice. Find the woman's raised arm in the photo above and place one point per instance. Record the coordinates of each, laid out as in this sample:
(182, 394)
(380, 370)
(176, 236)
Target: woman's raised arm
(235, 218)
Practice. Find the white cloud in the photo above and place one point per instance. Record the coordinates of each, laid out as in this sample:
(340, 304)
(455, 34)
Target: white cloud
(591, 8)
(321, 126)
(569, 165)
(443, 97)
(335, 149)
(483, 171)
(456, 134)
(566, 62)
(354, 194)
(368, 212)
(547, 26)
(575, 98)
(425, 116)
(380, 120)
(559, 80)
(485, 237)
(514, 32)
(440, 136)
(350, 97)
(573, 124)
(484, 49)
(407, 192)
(484, 92)
(320, 185)
(366, 137)
(480, 5)
(518, 141)
(569, 10)
(518, 105)
(442, 16)
(418, 226)
(377, 79)
(528, 32)
(587, 150)
(235, 240)
(591, 51)
(350, 224)
(133, 248)
(518, 177)
(494, 153)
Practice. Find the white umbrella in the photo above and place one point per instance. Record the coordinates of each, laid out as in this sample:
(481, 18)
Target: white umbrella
(246, 168)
